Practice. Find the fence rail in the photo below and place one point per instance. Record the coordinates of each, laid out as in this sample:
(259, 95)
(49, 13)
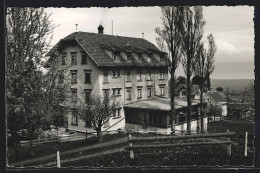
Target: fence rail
(50, 140)
(182, 137)
(227, 142)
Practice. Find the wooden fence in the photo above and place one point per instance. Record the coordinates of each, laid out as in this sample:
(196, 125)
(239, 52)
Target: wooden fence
(50, 140)
(132, 147)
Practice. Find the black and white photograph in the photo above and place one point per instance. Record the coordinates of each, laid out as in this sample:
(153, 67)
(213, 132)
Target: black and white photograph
(130, 87)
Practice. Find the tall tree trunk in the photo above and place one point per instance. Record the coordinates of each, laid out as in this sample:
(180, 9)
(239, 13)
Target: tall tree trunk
(99, 134)
(188, 95)
(173, 112)
(31, 151)
(201, 110)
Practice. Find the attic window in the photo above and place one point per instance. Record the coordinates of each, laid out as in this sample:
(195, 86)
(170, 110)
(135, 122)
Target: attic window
(115, 56)
(149, 59)
(128, 57)
(140, 58)
(162, 59)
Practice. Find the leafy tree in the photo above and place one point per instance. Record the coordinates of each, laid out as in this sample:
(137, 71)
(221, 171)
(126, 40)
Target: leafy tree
(168, 40)
(210, 60)
(196, 80)
(192, 33)
(200, 69)
(214, 110)
(181, 80)
(28, 30)
(97, 110)
(220, 89)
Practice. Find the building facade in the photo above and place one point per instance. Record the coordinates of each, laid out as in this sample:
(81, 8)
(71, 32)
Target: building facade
(130, 69)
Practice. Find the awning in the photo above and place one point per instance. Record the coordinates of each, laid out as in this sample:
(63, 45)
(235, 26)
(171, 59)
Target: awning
(161, 104)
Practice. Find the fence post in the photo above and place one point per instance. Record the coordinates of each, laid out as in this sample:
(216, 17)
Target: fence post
(58, 159)
(228, 145)
(246, 145)
(131, 151)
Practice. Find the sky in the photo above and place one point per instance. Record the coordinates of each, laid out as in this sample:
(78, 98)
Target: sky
(232, 27)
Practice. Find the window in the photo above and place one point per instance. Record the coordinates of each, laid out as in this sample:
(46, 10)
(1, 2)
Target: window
(74, 118)
(162, 59)
(139, 92)
(73, 76)
(116, 56)
(83, 58)
(155, 119)
(128, 57)
(87, 95)
(162, 91)
(64, 59)
(74, 94)
(73, 58)
(116, 91)
(105, 77)
(140, 58)
(183, 93)
(149, 91)
(161, 77)
(105, 91)
(87, 76)
(139, 78)
(149, 75)
(149, 59)
(128, 77)
(128, 94)
(116, 113)
(116, 74)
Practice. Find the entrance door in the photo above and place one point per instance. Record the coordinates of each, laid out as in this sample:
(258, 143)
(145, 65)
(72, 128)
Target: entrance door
(145, 121)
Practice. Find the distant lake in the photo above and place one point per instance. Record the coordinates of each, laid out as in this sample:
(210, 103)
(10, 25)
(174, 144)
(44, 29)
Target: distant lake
(232, 76)
(233, 84)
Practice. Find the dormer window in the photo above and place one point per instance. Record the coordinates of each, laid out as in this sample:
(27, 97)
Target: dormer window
(149, 59)
(162, 59)
(140, 58)
(115, 56)
(128, 57)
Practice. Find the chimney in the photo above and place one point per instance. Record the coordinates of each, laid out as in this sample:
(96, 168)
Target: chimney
(100, 29)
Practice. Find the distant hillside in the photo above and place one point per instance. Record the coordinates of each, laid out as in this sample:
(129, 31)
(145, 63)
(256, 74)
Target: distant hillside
(236, 84)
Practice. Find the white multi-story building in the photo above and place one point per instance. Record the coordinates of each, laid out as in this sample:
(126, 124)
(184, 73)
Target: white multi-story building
(132, 69)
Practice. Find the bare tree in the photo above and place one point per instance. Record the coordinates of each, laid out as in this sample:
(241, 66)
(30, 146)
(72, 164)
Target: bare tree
(169, 40)
(96, 111)
(192, 33)
(28, 30)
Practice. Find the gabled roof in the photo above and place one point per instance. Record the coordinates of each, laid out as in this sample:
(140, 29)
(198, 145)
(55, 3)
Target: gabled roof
(96, 44)
(194, 88)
